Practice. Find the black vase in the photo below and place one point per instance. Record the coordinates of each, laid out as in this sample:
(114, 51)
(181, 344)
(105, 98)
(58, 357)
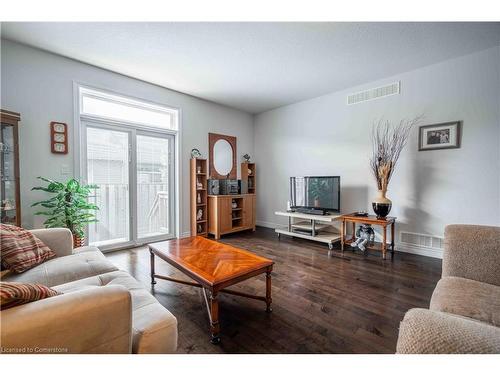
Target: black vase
(382, 205)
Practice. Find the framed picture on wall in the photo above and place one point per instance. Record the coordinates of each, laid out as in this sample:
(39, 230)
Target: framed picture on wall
(439, 136)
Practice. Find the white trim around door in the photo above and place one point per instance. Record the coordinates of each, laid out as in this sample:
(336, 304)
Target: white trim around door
(133, 130)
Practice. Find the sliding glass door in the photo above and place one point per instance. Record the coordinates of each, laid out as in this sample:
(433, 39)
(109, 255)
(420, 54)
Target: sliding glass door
(154, 209)
(108, 160)
(133, 169)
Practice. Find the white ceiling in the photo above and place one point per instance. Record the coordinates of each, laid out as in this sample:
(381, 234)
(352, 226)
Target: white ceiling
(257, 66)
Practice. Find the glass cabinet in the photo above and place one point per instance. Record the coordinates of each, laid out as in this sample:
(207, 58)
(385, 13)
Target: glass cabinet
(10, 208)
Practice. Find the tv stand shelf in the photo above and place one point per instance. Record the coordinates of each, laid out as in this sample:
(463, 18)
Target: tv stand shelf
(321, 227)
(307, 226)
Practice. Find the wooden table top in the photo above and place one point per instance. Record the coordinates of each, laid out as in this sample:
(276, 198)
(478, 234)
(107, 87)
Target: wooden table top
(208, 261)
(370, 219)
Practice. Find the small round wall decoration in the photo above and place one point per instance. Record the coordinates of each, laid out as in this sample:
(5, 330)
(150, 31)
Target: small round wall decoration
(195, 153)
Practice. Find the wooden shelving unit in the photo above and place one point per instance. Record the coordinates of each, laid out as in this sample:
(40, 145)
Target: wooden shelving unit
(199, 226)
(236, 212)
(248, 176)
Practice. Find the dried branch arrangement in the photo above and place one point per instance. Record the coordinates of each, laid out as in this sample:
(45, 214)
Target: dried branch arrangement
(388, 141)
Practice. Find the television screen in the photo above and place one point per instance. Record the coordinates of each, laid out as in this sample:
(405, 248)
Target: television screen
(316, 192)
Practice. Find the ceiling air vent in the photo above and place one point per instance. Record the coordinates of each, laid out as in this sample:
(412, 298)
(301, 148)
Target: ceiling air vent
(376, 93)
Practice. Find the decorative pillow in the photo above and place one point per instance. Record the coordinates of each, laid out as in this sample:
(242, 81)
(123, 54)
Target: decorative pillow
(21, 250)
(14, 294)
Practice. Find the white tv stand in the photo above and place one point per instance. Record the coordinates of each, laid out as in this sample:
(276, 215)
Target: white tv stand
(319, 226)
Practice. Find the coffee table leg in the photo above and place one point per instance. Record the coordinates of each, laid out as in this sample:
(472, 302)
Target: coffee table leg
(152, 257)
(214, 318)
(269, 300)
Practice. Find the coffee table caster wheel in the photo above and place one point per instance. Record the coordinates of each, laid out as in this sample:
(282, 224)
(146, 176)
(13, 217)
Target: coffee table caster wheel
(215, 340)
(269, 309)
(330, 246)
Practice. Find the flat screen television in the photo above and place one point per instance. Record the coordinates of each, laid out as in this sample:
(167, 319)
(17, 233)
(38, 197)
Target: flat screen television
(320, 192)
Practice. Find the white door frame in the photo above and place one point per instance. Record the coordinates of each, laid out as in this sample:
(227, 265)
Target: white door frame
(132, 177)
(79, 142)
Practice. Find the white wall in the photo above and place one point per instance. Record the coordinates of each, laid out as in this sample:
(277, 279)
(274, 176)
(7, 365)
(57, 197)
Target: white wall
(39, 85)
(324, 136)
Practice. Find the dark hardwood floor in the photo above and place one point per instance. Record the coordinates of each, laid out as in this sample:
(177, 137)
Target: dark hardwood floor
(321, 304)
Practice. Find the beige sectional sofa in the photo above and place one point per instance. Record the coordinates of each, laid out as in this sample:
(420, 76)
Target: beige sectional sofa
(464, 313)
(101, 310)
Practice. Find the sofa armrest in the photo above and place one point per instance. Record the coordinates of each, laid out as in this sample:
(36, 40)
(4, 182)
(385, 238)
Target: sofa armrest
(60, 240)
(92, 320)
(430, 332)
(472, 252)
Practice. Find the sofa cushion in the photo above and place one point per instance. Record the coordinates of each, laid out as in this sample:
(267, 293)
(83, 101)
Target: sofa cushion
(467, 298)
(65, 269)
(15, 294)
(434, 332)
(154, 327)
(83, 249)
(21, 250)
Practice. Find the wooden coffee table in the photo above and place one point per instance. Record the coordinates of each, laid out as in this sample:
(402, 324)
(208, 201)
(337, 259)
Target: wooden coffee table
(214, 266)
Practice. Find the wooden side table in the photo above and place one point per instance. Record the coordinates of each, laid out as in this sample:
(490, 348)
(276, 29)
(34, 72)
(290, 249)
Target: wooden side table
(371, 219)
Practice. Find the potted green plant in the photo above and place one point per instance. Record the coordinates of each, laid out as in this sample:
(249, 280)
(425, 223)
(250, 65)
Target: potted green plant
(68, 207)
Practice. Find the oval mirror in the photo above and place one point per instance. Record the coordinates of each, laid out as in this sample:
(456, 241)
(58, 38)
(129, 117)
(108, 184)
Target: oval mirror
(223, 157)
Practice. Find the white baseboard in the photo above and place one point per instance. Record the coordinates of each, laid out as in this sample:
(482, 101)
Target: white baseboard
(419, 250)
(267, 224)
(185, 234)
(404, 248)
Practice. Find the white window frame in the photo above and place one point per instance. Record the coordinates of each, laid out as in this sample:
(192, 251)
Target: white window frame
(79, 139)
(124, 100)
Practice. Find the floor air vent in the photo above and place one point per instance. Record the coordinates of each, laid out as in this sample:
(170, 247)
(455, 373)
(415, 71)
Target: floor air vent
(376, 93)
(422, 240)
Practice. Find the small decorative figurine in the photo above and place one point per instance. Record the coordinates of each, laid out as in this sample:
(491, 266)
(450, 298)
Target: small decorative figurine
(195, 153)
(199, 185)
(198, 199)
(200, 214)
(234, 204)
(364, 234)
(198, 169)
(199, 228)
(247, 158)
(8, 204)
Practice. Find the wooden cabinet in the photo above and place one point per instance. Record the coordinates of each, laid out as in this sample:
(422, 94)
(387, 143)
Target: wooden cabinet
(248, 214)
(225, 214)
(10, 201)
(230, 213)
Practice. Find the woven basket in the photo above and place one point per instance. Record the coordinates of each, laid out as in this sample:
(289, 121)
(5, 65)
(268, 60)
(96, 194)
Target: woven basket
(78, 241)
